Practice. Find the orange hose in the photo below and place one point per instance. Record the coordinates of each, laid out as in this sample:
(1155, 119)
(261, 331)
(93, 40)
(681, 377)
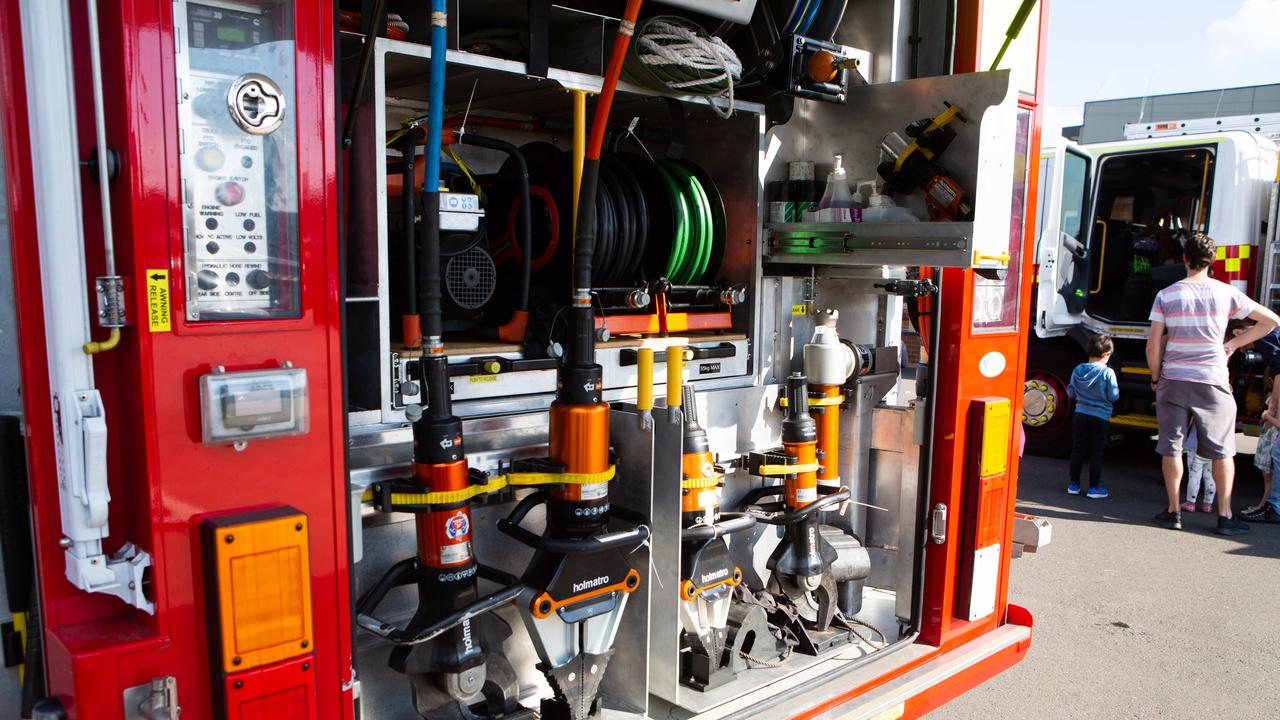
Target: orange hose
(828, 422)
(611, 75)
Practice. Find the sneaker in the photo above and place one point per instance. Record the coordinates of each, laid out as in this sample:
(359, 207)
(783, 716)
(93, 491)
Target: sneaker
(1231, 526)
(1171, 520)
(1097, 493)
(1188, 506)
(1265, 514)
(1206, 507)
(1073, 488)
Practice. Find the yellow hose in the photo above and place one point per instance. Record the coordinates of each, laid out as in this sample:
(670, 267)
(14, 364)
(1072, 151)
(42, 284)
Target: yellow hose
(579, 146)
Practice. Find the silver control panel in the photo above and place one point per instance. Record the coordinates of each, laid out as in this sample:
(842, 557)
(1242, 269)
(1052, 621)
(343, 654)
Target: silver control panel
(235, 74)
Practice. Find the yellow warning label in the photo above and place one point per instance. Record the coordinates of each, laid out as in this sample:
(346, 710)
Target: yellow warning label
(477, 379)
(799, 309)
(158, 300)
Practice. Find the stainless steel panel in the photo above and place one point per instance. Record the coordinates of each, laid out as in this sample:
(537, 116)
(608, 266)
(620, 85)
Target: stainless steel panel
(649, 481)
(895, 484)
(980, 159)
(639, 482)
(855, 447)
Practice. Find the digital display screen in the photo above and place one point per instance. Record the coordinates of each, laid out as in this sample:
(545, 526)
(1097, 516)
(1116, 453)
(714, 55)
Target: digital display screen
(256, 402)
(231, 34)
(219, 28)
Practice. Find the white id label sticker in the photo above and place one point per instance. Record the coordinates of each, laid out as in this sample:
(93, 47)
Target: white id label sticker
(709, 498)
(595, 490)
(453, 554)
(806, 495)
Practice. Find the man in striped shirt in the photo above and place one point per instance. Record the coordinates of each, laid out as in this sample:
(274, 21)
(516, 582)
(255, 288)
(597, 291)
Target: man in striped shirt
(1187, 351)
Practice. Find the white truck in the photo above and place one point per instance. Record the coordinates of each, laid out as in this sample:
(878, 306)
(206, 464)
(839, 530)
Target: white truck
(1113, 217)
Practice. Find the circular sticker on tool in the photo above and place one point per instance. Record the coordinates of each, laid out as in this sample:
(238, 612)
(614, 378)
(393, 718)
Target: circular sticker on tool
(457, 525)
(708, 469)
(991, 364)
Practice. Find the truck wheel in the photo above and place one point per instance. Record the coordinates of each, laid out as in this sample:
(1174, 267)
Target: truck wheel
(1046, 409)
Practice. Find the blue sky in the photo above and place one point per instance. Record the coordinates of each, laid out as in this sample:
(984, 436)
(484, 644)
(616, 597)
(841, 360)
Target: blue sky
(1103, 49)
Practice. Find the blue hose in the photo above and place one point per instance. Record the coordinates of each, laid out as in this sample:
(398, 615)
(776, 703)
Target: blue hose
(808, 21)
(793, 20)
(435, 109)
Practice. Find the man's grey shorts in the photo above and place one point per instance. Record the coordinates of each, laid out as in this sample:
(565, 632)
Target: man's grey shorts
(1211, 408)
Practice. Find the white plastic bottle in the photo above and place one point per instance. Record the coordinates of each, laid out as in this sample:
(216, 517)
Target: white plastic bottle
(882, 209)
(837, 204)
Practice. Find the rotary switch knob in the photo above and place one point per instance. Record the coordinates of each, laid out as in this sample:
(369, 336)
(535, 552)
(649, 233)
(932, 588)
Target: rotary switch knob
(258, 279)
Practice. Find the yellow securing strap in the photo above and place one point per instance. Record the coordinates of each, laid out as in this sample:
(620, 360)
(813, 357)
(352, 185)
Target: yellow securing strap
(530, 478)
(816, 402)
(774, 470)
(501, 481)
(702, 482)
(449, 497)
(939, 122)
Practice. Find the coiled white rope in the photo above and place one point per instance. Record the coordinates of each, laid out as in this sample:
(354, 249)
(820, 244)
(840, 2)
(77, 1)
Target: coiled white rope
(682, 57)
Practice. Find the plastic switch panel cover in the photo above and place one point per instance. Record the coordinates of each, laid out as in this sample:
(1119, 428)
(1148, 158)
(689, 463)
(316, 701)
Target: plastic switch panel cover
(239, 406)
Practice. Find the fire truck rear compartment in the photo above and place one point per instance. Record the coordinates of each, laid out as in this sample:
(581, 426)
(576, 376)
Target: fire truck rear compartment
(883, 423)
(696, 484)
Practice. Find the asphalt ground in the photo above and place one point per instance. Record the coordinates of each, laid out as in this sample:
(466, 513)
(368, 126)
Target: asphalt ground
(1132, 620)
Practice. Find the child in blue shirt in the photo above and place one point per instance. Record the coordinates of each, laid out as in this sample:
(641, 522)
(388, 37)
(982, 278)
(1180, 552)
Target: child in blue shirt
(1094, 387)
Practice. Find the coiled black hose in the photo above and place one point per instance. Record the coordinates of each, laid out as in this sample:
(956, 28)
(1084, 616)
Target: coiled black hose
(526, 214)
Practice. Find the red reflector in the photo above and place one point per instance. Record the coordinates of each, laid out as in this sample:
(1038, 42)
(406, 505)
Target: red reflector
(283, 691)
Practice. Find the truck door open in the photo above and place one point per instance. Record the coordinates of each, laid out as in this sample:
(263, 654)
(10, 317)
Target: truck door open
(1064, 255)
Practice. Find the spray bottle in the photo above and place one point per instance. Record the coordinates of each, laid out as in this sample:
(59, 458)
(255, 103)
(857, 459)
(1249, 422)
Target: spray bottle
(837, 204)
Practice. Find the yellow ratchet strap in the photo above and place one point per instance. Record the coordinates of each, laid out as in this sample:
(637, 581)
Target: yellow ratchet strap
(775, 470)
(450, 497)
(702, 482)
(501, 481)
(816, 402)
(537, 478)
(940, 121)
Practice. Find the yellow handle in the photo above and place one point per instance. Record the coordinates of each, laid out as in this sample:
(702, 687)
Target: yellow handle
(1002, 258)
(1102, 256)
(675, 375)
(644, 380)
(93, 347)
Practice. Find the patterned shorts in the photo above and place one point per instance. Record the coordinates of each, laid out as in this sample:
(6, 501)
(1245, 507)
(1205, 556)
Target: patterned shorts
(1262, 458)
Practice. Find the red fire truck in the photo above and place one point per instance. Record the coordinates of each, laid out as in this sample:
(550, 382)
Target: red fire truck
(340, 327)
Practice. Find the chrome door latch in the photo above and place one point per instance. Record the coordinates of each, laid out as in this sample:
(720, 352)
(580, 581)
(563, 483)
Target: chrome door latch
(938, 529)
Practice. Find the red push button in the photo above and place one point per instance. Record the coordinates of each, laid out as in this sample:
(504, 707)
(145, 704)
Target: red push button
(229, 193)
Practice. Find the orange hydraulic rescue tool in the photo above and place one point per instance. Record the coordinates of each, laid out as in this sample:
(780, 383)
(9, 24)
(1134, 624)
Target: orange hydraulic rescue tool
(828, 364)
(579, 578)
(708, 574)
(450, 650)
(800, 565)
